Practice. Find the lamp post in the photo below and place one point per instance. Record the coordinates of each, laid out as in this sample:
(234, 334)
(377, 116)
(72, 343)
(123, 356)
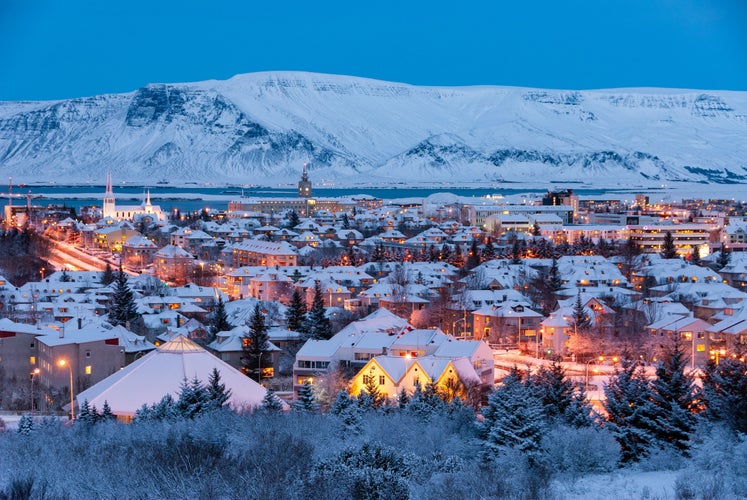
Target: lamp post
(259, 368)
(455, 324)
(63, 363)
(586, 377)
(33, 374)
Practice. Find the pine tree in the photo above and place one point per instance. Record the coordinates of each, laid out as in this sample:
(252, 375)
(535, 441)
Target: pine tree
(25, 425)
(296, 312)
(488, 253)
(515, 250)
(724, 257)
(402, 399)
(668, 249)
(674, 395)
(536, 230)
(473, 256)
(293, 219)
(558, 395)
(553, 276)
(256, 344)
(271, 403)
(218, 320)
(630, 412)
(725, 393)
(317, 325)
(108, 276)
(106, 413)
(347, 412)
(580, 317)
(217, 395)
(695, 257)
(514, 417)
(193, 398)
(124, 310)
(85, 416)
(370, 397)
(306, 402)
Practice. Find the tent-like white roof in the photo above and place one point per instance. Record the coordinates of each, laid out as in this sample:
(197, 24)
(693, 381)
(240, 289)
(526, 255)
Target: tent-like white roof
(162, 372)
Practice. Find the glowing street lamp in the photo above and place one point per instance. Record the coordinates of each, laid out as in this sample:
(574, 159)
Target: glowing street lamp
(62, 363)
(33, 374)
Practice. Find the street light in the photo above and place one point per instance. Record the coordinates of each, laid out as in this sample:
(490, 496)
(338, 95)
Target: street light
(33, 373)
(463, 326)
(63, 363)
(259, 368)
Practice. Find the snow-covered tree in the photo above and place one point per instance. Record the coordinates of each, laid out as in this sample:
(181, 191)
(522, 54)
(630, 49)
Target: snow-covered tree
(271, 402)
(317, 325)
(561, 398)
(306, 402)
(725, 393)
(296, 312)
(514, 417)
(124, 310)
(630, 412)
(256, 344)
(675, 396)
(218, 320)
(668, 249)
(25, 425)
(217, 395)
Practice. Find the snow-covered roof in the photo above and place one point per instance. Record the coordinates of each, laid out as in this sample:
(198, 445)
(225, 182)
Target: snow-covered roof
(162, 372)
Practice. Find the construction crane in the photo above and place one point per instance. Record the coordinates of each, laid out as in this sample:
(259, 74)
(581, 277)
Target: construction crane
(9, 214)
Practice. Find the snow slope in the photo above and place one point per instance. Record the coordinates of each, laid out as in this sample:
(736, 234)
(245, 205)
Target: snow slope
(260, 128)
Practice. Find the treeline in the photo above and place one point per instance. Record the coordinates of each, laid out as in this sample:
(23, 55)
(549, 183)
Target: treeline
(535, 438)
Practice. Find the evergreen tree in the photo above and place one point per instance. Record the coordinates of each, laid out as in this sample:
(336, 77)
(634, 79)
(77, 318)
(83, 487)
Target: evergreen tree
(271, 402)
(402, 399)
(306, 402)
(25, 425)
(86, 415)
(553, 276)
(108, 275)
(488, 253)
(218, 320)
(296, 312)
(668, 250)
(580, 317)
(536, 230)
(106, 413)
(379, 254)
(192, 400)
(724, 256)
(674, 395)
(345, 221)
(725, 393)
(345, 409)
(317, 325)
(65, 278)
(514, 417)
(293, 219)
(445, 254)
(515, 250)
(124, 310)
(695, 257)
(473, 256)
(630, 412)
(256, 344)
(559, 396)
(370, 397)
(217, 395)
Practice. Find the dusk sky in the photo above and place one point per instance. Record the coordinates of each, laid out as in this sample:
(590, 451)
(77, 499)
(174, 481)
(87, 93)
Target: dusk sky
(51, 49)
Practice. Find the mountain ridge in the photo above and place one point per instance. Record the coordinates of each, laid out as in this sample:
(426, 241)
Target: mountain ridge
(259, 128)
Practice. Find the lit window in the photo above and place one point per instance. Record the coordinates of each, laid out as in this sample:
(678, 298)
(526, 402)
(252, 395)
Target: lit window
(32, 360)
(88, 369)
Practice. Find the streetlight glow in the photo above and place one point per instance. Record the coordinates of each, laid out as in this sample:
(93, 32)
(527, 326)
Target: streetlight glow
(62, 363)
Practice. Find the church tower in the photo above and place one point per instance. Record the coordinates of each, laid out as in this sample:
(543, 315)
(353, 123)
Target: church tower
(304, 185)
(110, 209)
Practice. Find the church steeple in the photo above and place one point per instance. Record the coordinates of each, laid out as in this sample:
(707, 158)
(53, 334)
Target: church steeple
(304, 185)
(110, 209)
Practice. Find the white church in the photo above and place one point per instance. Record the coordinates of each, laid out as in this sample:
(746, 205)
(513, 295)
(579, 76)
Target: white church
(145, 212)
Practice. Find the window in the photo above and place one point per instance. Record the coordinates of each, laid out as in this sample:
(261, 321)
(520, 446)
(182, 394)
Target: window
(32, 345)
(382, 379)
(88, 354)
(32, 360)
(88, 369)
(366, 379)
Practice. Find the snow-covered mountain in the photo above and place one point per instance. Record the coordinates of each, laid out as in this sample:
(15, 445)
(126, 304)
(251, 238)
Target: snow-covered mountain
(260, 128)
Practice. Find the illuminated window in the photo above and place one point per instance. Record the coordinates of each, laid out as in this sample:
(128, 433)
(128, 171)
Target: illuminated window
(32, 360)
(88, 369)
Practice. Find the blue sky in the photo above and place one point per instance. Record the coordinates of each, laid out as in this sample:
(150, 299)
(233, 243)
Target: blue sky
(52, 49)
